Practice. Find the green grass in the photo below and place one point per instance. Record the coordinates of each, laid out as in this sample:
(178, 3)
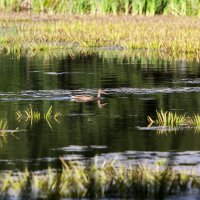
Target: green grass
(174, 36)
(172, 119)
(108, 179)
(33, 116)
(4, 131)
(134, 7)
(169, 119)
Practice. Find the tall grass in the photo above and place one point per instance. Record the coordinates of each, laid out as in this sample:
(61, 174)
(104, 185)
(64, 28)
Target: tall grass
(105, 180)
(146, 7)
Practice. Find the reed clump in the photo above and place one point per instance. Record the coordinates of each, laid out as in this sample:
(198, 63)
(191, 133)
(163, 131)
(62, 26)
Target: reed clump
(98, 181)
(172, 119)
(30, 115)
(4, 131)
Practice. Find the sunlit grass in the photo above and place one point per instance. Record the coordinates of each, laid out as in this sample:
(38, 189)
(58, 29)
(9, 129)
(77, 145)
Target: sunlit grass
(4, 131)
(33, 116)
(169, 119)
(176, 36)
(102, 7)
(172, 119)
(99, 180)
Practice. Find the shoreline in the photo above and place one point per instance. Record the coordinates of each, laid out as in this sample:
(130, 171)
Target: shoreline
(22, 32)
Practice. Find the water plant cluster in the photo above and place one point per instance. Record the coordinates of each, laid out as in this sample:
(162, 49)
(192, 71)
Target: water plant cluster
(31, 115)
(172, 119)
(108, 179)
(135, 7)
(4, 129)
(170, 35)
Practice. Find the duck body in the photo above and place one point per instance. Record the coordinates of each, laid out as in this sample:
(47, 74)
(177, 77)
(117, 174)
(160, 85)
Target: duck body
(87, 98)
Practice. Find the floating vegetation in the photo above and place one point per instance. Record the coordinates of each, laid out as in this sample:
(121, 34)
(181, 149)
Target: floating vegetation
(98, 181)
(172, 119)
(178, 37)
(31, 115)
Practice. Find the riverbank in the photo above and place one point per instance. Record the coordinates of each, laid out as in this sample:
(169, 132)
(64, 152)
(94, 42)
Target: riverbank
(26, 32)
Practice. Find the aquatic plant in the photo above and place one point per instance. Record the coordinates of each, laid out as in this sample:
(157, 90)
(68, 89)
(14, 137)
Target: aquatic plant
(169, 119)
(98, 180)
(5, 132)
(3, 128)
(172, 119)
(31, 115)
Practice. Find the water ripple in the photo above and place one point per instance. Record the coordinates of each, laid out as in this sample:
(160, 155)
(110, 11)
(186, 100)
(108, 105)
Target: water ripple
(28, 95)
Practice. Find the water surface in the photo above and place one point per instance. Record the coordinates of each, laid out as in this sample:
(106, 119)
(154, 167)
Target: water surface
(116, 127)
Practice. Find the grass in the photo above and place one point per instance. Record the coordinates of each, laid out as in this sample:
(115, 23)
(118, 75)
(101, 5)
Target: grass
(169, 119)
(172, 119)
(98, 181)
(32, 116)
(4, 132)
(32, 34)
(134, 7)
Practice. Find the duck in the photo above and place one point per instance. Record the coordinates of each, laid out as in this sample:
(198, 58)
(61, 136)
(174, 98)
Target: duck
(88, 98)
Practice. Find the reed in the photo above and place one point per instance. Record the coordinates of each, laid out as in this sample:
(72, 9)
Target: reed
(135, 7)
(106, 180)
(172, 119)
(33, 116)
(3, 128)
(169, 119)
(4, 131)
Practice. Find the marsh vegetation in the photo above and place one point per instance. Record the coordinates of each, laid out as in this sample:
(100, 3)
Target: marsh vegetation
(144, 53)
(98, 181)
(167, 35)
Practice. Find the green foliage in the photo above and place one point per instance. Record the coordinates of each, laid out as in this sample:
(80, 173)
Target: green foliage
(32, 116)
(4, 131)
(173, 119)
(108, 179)
(170, 36)
(146, 7)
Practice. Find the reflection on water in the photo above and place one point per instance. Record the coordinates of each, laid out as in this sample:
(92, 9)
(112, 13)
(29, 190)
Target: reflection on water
(136, 86)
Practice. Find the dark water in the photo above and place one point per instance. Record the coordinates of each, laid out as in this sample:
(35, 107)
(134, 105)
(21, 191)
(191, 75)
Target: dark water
(135, 86)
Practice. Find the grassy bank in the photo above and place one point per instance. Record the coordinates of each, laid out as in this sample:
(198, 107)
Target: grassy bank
(97, 181)
(32, 33)
(134, 7)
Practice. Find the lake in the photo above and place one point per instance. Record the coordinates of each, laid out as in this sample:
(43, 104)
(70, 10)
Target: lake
(136, 86)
